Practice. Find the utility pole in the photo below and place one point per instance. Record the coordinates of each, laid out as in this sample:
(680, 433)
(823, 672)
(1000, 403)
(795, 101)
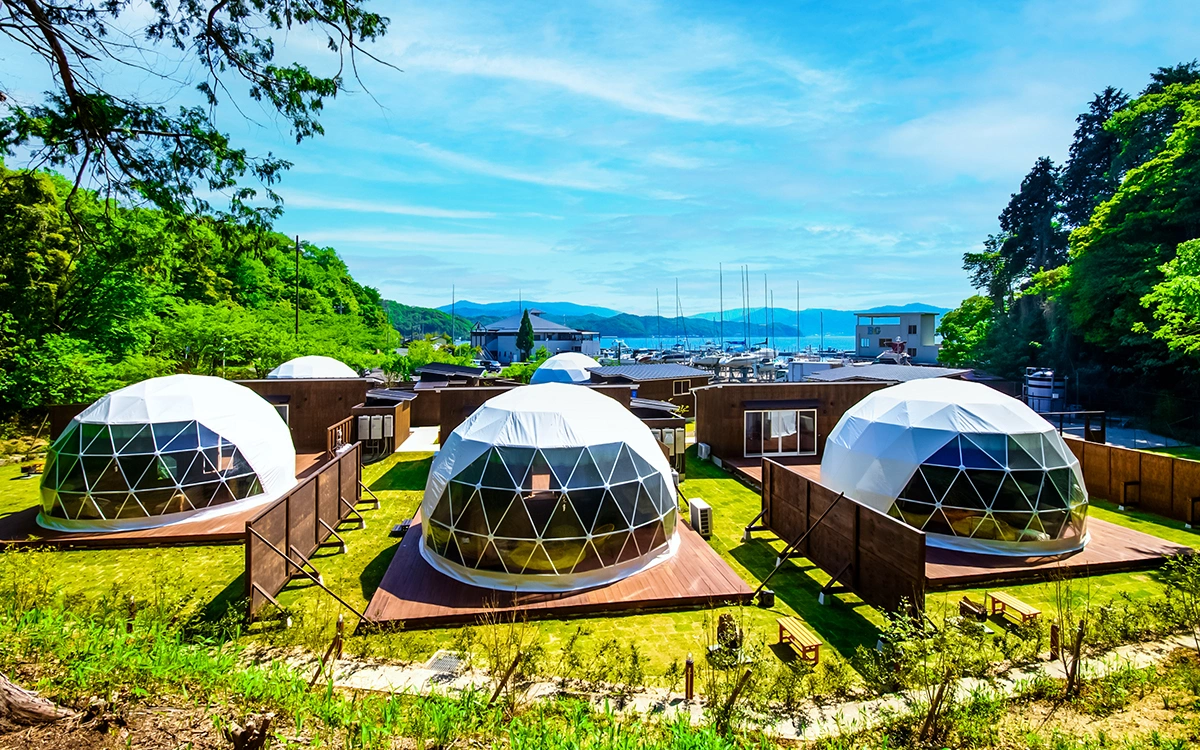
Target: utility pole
(721, 271)
(658, 317)
(453, 299)
(797, 316)
(297, 288)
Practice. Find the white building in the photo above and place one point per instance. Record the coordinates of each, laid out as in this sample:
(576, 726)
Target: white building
(498, 340)
(878, 330)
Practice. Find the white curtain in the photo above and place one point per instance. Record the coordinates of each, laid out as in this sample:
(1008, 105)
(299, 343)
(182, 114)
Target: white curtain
(781, 424)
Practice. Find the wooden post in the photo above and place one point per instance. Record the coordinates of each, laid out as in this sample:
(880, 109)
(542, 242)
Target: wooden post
(1054, 640)
(689, 679)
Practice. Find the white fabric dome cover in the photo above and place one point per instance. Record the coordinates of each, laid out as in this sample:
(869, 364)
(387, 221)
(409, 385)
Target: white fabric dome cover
(548, 488)
(978, 471)
(164, 450)
(312, 366)
(568, 367)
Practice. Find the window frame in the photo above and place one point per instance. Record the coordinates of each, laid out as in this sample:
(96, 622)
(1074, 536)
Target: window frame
(687, 387)
(800, 413)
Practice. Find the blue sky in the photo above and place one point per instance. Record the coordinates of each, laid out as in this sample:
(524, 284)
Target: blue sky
(595, 151)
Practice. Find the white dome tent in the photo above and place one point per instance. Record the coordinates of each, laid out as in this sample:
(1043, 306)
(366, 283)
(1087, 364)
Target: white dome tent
(548, 488)
(164, 450)
(978, 471)
(568, 367)
(312, 366)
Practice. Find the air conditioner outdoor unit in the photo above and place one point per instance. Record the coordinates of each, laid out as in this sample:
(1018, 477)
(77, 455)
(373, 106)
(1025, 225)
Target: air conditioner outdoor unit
(680, 440)
(377, 427)
(703, 450)
(364, 427)
(388, 430)
(669, 440)
(701, 515)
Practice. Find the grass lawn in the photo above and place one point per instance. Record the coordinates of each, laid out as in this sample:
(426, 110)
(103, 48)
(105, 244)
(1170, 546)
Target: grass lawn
(1179, 451)
(215, 573)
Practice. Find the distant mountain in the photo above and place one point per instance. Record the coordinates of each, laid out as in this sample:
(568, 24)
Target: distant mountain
(415, 322)
(498, 310)
(813, 320)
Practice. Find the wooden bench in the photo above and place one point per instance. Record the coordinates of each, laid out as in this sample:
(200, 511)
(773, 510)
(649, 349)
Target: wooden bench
(1012, 607)
(806, 645)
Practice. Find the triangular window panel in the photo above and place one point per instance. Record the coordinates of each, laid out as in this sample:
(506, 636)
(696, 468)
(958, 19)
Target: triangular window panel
(471, 547)
(669, 522)
(1055, 456)
(987, 484)
(132, 438)
(1024, 451)
(131, 508)
(517, 461)
(540, 477)
(474, 470)
(110, 480)
(236, 465)
(605, 457)
(939, 524)
(1011, 498)
(609, 517)
(186, 439)
(155, 501)
(983, 527)
(452, 553)
(658, 539)
(983, 451)
(589, 560)
(89, 511)
(646, 510)
(562, 462)
(644, 536)
(918, 489)
(609, 547)
(68, 441)
(516, 523)
(1035, 527)
(564, 522)
(644, 469)
(490, 560)
(94, 468)
(164, 432)
(626, 496)
(586, 474)
(1030, 483)
(947, 455)
(437, 537)
(663, 497)
(1056, 489)
(514, 552)
(70, 503)
(914, 514)
(541, 506)
(939, 479)
(539, 563)
(95, 439)
(629, 552)
(441, 511)
(1054, 522)
(564, 553)
(459, 494)
(208, 438)
(624, 470)
(495, 504)
(963, 494)
(471, 519)
(70, 474)
(158, 475)
(1010, 527)
(495, 474)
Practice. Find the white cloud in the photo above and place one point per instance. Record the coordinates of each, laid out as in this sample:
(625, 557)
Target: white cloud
(308, 200)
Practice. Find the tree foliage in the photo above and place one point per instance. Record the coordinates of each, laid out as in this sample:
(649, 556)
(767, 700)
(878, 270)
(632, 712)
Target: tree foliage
(153, 294)
(525, 336)
(101, 123)
(1113, 302)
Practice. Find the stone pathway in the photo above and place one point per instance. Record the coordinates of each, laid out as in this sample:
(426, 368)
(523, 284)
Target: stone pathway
(818, 721)
(421, 440)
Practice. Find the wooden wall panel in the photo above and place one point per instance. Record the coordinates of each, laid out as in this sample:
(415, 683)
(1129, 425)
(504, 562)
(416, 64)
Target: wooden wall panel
(1157, 493)
(328, 488)
(302, 518)
(313, 404)
(1124, 465)
(426, 409)
(720, 409)
(1186, 481)
(1096, 470)
(886, 556)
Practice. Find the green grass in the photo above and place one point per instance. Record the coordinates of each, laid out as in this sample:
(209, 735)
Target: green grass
(1179, 451)
(16, 493)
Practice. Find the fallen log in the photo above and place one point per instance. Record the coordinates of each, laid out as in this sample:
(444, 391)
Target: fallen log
(21, 706)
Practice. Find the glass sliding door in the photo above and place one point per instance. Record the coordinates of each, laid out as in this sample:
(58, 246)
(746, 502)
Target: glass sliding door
(781, 432)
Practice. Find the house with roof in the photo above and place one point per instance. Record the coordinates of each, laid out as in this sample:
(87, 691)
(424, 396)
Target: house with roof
(885, 330)
(884, 373)
(498, 340)
(658, 382)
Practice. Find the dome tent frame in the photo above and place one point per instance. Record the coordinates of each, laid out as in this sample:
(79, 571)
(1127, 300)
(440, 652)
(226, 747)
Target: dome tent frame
(566, 367)
(312, 366)
(549, 488)
(170, 449)
(976, 470)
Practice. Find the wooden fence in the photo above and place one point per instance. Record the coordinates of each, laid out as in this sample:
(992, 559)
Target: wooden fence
(1164, 485)
(338, 435)
(281, 539)
(879, 558)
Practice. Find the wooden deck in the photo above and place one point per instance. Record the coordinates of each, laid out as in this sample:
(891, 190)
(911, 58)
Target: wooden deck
(1112, 549)
(413, 595)
(749, 470)
(20, 529)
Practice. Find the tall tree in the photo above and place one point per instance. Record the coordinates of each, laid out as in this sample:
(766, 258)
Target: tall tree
(106, 125)
(1090, 177)
(1144, 135)
(525, 336)
(1033, 238)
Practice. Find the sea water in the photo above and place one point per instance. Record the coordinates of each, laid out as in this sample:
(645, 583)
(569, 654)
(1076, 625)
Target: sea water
(697, 343)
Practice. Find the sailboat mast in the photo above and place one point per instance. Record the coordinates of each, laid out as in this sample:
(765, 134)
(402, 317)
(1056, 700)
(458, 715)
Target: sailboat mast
(658, 316)
(772, 337)
(766, 313)
(721, 272)
(797, 316)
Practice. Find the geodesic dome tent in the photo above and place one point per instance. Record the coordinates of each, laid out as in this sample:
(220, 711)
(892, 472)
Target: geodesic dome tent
(312, 366)
(568, 367)
(164, 450)
(548, 488)
(976, 470)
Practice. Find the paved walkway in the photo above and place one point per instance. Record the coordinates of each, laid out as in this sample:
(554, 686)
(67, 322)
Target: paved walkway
(422, 440)
(816, 722)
